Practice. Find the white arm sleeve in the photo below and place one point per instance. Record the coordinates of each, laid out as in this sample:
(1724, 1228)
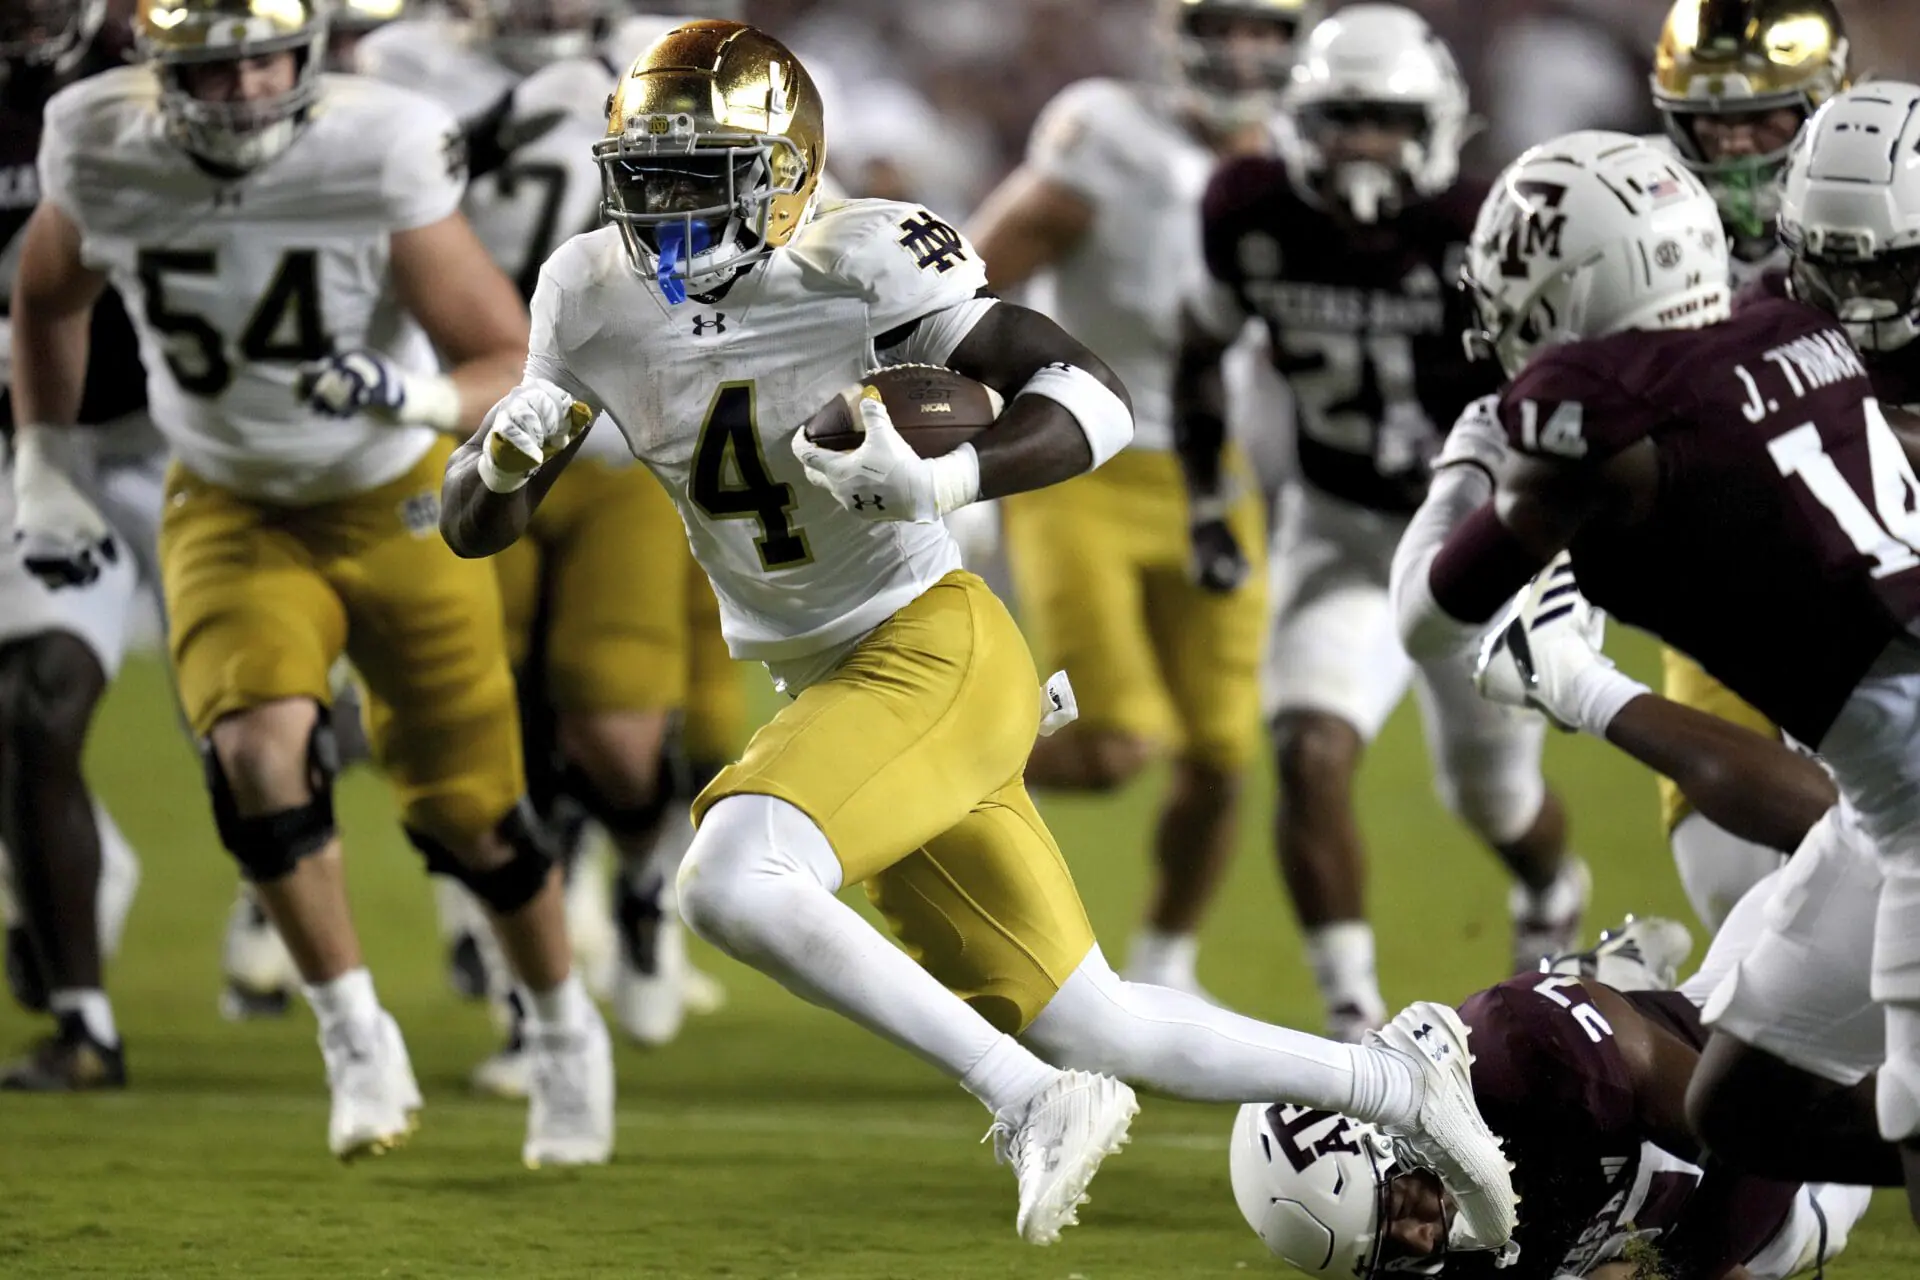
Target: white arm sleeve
(1426, 629)
(547, 314)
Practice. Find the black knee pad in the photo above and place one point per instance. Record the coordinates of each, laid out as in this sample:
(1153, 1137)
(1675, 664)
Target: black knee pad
(269, 845)
(622, 820)
(507, 887)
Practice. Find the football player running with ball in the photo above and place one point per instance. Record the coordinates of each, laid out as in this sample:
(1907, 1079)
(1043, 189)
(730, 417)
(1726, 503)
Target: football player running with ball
(898, 763)
(1103, 217)
(276, 233)
(1346, 244)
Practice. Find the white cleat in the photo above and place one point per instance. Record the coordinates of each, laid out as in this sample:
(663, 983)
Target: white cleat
(1068, 1129)
(1449, 1133)
(570, 1094)
(1643, 954)
(375, 1096)
(701, 992)
(259, 971)
(649, 982)
(507, 1074)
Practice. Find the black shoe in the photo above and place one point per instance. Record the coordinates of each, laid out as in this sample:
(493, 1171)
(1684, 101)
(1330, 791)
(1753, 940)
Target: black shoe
(23, 971)
(68, 1061)
(241, 1004)
(466, 968)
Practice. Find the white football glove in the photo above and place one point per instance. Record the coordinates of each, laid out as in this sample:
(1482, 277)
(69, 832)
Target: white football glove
(884, 479)
(1477, 438)
(350, 383)
(1543, 650)
(62, 537)
(533, 423)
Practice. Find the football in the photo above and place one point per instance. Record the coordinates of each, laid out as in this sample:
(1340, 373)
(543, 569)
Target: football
(935, 409)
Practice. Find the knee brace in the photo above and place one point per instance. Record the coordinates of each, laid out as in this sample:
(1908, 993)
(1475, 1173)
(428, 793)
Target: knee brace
(507, 887)
(268, 845)
(1495, 790)
(629, 821)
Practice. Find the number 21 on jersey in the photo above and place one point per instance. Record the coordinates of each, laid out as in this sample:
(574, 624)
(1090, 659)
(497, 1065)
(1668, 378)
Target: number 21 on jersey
(731, 481)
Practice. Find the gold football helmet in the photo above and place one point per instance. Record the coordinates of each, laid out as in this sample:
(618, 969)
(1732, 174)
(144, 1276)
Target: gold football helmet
(176, 35)
(1235, 55)
(713, 152)
(1721, 69)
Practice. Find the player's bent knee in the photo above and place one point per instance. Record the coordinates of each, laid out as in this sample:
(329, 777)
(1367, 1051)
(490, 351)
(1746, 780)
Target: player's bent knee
(1315, 752)
(1083, 759)
(1498, 794)
(268, 841)
(618, 768)
(48, 687)
(749, 853)
(504, 884)
(1091, 1025)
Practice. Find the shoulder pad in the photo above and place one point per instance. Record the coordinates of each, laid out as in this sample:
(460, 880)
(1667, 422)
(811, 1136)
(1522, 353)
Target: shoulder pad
(903, 259)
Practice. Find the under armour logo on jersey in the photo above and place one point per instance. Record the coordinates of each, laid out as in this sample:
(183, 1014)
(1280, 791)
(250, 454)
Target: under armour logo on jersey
(1426, 1029)
(862, 503)
(716, 322)
(932, 242)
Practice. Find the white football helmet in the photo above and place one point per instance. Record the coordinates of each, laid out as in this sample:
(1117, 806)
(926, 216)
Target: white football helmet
(1588, 235)
(1375, 61)
(1850, 213)
(1313, 1186)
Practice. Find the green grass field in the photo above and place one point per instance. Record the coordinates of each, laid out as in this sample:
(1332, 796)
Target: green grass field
(771, 1141)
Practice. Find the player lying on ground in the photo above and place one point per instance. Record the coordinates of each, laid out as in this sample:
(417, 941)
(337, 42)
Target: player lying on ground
(915, 703)
(1702, 468)
(1586, 1078)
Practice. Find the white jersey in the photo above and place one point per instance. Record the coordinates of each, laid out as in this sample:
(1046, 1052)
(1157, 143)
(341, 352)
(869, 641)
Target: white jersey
(1122, 148)
(440, 57)
(232, 285)
(709, 395)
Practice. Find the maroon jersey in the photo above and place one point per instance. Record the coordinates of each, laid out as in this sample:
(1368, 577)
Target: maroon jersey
(115, 386)
(1780, 549)
(1551, 1082)
(1365, 323)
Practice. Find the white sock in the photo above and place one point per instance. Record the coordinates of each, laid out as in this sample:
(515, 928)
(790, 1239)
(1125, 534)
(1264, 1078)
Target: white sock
(347, 998)
(1007, 1077)
(1180, 1045)
(95, 1010)
(1341, 954)
(119, 878)
(759, 882)
(566, 1005)
(1163, 959)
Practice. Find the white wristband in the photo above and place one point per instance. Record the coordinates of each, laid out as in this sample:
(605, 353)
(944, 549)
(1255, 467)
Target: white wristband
(432, 400)
(1104, 416)
(1600, 693)
(956, 478)
(497, 480)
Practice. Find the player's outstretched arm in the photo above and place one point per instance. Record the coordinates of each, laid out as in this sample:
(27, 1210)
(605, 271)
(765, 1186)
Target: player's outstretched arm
(472, 312)
(1066, 411)
(1026, 224)
(1740, 781)
(60, 531)
(52, 311)
(495, 481)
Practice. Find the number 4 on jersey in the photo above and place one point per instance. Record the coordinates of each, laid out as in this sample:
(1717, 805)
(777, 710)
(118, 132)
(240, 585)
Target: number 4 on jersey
(730, 479)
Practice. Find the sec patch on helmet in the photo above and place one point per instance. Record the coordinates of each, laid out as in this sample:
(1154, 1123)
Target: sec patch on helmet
(935, 409)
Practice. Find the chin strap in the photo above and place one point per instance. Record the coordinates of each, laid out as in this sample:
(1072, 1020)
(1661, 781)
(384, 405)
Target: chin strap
(679, 243)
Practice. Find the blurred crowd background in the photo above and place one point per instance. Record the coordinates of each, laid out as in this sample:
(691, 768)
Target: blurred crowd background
(932, 99)
(937, 95)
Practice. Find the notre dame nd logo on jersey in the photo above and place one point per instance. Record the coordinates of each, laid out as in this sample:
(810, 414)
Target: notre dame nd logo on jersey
(931, 242)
